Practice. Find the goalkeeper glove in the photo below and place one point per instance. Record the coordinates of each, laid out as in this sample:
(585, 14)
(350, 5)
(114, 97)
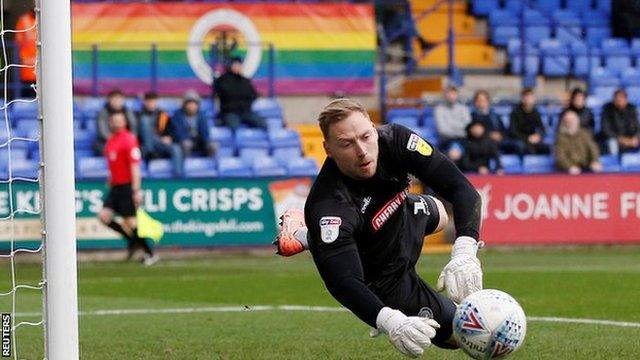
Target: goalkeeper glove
(409, 334)
(462, 276)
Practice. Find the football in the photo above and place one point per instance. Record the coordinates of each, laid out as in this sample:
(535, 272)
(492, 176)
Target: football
(489, 324)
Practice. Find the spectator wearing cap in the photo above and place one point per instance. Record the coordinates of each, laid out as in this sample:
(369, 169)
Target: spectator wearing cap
(526, 126)
(451, 119)
(154, 134)
(576, 151)
(236, 94)
(620, 130)
(188, 127)
(479, 150)
(114, 104)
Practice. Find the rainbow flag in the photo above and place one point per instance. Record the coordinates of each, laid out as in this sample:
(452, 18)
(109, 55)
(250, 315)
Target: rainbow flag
(318, 48)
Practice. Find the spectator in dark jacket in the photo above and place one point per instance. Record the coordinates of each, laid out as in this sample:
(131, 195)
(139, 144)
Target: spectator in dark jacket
(155, 140)
(577, 104)
(526, 125)
(236, 94)
(115, 104)
(496, 130)
(575, 149)
(620, 129)
(188, 127)
(479, 149)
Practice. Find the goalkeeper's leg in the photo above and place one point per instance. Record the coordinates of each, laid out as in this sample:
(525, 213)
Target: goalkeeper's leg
(292, 233)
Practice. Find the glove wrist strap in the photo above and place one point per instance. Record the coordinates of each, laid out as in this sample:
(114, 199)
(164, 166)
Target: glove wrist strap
(465, 245)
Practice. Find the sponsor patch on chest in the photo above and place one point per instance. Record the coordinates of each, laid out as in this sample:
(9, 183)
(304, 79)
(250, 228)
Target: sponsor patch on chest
(329, 228)
(388, 210)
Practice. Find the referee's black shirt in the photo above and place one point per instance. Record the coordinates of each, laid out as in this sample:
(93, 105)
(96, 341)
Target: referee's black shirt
(360, 234)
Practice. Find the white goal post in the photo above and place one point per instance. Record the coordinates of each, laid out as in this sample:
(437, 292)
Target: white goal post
(58, 185)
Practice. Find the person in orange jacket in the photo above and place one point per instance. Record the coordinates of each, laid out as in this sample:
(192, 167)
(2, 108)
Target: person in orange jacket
(26, 41)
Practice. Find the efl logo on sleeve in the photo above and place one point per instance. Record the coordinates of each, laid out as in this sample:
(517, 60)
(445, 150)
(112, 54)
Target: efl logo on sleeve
(416, 143)
(6, 335)
(329, 228)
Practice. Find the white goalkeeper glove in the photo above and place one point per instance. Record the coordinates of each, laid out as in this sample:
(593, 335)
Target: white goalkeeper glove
(409, 334)
(462, 276)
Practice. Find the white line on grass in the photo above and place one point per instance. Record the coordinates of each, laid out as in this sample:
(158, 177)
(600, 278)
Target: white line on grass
(210, 309)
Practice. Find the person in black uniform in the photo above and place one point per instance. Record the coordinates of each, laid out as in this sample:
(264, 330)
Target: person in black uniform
(365, 230)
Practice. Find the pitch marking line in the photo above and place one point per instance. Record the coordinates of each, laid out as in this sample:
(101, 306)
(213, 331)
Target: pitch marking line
(212, 309)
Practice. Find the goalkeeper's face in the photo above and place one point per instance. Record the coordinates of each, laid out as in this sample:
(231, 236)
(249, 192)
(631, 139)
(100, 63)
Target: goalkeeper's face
(353, 144)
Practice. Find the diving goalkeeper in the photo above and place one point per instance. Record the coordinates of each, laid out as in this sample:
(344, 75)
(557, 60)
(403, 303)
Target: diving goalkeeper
(365, 230)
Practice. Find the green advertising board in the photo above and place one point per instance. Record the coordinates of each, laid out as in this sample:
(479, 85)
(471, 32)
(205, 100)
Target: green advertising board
(194, 213)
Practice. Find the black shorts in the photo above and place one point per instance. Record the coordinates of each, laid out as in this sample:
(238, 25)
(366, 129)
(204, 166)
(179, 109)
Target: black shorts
(414, 297)
(120, 200)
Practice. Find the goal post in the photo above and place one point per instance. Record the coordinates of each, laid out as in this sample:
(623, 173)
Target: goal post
(58, 184)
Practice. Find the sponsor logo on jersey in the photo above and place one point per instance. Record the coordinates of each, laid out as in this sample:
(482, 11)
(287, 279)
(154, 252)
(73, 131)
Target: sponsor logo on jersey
(388, 210)
(416, 143)
(419, 206)
(365, 203)
(329, 228)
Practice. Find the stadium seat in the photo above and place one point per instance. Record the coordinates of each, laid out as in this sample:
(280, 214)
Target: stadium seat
(603, 77)
(160, 169)
(407, 121)
(225, 151)
(200, 167)
(284, 154)
(579, 6)
(630, 77)
(24, 109)
(617, 55)
(274, 123)
(604, 6)
(83, 139)
(25, 168)
(511, 164)
(94, 167)
(595, 19)
(514, 6)
(548, 6)
(635, 47)
(595, 35)
(233, 167)
(633, 94)
(91, 107)
(133, 104)
(221, 135)
(556, 60)
(283, 138)
(267, 167)
(538, 164)
(500, 35)
(537, 26)
(484, 7)
(247, 154)
(428, 133)
(585, 59)
(267, 107)
(630, 162)
(302, 167)
(610, 163)
(82, 153)
(170, 105)
(251, 138)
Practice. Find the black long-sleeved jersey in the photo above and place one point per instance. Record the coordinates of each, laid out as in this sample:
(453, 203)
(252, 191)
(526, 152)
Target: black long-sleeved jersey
(361, 233)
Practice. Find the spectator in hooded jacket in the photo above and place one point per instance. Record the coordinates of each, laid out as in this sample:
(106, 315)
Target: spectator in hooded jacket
(576, 151)
(620, 130)
(577, 104)
(479, 150)
(494, 127)
(526, 125)
(236, 94)
(189, 128)
(115, 104)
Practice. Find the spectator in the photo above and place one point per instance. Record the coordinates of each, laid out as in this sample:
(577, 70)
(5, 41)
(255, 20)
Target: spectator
(26, 36)
(115, 103)
(189, 127)
(576, 150)
(451, 119)
(236, 94)
(620, 129)
(482, 112)
(479, 150)
(577, 104)
(526, 126)
(154, 134)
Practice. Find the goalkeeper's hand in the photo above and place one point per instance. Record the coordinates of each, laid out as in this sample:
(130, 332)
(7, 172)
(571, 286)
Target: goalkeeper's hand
(409, 334)
(292, 233)
(462, 276)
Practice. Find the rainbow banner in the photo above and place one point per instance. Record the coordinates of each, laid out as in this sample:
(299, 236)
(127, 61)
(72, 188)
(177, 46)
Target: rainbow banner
(317, 48)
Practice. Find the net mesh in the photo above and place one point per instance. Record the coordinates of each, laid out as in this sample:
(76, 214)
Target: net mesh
(19, 189)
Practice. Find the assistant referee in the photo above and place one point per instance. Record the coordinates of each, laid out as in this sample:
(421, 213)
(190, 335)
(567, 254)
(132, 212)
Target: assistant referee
(123, 157)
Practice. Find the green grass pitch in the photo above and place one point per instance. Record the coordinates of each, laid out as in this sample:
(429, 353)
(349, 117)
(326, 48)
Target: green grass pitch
(594, 283)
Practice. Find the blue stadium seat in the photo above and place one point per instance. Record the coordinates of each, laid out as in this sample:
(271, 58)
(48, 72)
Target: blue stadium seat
(617, 54)
(633, 94)
(267, 167)
(23, 126)
(160, 169)
(91, 107)
(585, 59)
(247, 154)
(283, 155)
(302, 167)
(635, 47)
(484, 7)
(407, 121)
(267, 107)
(514, 6)
(604, 6)
(595, 19)
(548, 6)
(225, 151)
(630, 162)
(428, 133)
(500, 35)
(603, 77)
(536, 33)
(221, 135)
(630, 77)
(24, 109)
(534, 17)
(233, 167)
(610, 163)
(83, 140)
(556, 60)
(283, 138)
(538, 164)
(82, 153)
(274, 123)
(579, 5)
(403, 112)
(502, 17)
(133, 104)
(251, 138)
(595, 35)
(170, 105)
(511, 164)
(200, 167)
(94, 167)
(25, 168)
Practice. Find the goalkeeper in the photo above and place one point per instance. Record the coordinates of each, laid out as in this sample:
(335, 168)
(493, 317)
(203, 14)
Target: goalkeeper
(365, 231)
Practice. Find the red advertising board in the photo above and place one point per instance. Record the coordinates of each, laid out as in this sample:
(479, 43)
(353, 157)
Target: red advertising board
(560, 209)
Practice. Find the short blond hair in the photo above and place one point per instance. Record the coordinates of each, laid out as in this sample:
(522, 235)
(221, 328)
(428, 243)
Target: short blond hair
(337, 110)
